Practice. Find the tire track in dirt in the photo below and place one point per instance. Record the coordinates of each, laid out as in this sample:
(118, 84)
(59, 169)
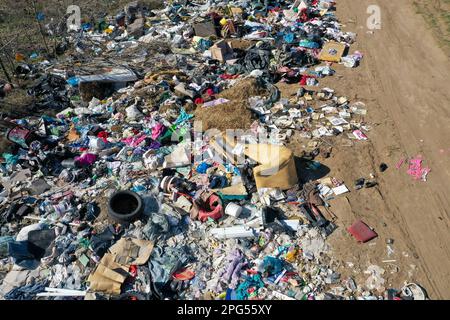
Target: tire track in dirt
(407, 74)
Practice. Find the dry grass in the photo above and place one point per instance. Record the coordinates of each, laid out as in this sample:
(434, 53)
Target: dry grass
(19, 33)
(437, 15)
(233, 114)
(19, 30)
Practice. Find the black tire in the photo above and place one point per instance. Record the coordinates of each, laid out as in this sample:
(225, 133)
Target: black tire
(125, 206)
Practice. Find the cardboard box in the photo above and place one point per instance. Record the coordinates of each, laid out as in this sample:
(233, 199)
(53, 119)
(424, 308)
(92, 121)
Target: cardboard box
(332, 51)
(221, 51)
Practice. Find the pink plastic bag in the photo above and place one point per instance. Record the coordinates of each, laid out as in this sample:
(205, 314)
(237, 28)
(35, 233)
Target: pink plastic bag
(416, 170)
(86, 159)
(157, 131)
(134, 141)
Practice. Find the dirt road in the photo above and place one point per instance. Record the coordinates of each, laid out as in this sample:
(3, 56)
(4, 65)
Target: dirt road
(405, 81)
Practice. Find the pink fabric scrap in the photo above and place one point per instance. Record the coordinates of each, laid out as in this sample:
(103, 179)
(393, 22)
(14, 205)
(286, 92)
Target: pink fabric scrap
(359, 135)
(157, 131)
(416, 170)
(86, 159)
(134, 141)
(400, 162)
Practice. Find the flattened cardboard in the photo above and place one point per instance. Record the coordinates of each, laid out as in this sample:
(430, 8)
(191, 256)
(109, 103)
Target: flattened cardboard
(134, 251)
(332, 52)
(108, 276)
(112, 270)
(277, 166)
(221, 51)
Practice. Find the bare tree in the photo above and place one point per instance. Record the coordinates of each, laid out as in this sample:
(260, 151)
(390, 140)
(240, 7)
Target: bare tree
(4, 70)
(33, 4)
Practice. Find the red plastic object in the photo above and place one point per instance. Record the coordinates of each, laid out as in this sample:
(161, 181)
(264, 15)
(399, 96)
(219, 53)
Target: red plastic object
(361, 232)
(216, 209)
(103, 135)
(250, 271)
(184, 274)
(133, 270)
(199, 101)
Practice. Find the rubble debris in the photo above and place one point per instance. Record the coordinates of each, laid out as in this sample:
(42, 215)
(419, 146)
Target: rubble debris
(133, 189)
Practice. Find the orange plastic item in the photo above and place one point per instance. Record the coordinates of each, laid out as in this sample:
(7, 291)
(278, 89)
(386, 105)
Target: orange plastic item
(184, 274)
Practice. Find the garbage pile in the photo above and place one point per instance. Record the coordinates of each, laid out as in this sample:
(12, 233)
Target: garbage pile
(137, 189)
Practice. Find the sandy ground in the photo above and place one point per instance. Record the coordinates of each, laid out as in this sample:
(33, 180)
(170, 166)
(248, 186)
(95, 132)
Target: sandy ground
(404, 81)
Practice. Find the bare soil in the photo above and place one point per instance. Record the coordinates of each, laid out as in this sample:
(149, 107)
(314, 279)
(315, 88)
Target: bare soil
(404, 81)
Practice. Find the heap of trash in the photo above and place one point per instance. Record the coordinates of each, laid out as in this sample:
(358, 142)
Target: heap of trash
(162, 170)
